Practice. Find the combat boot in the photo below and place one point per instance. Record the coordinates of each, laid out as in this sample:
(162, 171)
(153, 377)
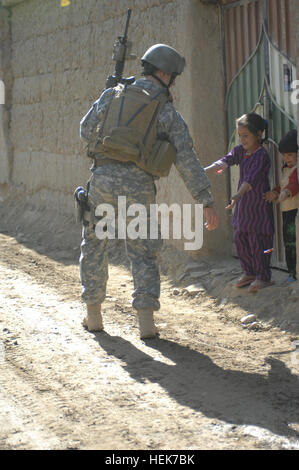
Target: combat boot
(147, 326)
(93, 321)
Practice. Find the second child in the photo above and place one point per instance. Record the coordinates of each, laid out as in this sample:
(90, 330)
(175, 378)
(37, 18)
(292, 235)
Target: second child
(286, 196)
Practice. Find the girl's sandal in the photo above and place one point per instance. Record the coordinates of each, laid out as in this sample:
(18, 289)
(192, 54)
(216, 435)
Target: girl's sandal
(244, 280)
(258, 284)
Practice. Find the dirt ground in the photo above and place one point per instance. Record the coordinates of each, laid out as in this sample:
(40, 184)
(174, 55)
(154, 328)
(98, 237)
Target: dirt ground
(209, 381)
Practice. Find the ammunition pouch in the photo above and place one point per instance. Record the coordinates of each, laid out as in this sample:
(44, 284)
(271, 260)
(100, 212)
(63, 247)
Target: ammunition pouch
(123, 143)
(160, 159)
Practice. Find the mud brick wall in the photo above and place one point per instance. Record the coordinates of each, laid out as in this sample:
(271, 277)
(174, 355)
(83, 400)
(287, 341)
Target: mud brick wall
(59, 60)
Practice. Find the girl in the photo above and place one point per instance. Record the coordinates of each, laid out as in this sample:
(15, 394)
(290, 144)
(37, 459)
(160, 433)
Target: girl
(286, 195)
(253, 217)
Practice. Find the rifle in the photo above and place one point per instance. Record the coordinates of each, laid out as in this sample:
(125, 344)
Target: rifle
(121, 52)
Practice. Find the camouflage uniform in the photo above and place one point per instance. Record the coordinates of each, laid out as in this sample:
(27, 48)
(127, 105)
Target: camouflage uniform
(113, 179)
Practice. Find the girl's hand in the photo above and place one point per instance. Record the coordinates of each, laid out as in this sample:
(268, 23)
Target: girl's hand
(216, 167)
(231, 205)
(233, 202)
(270, 196)
(244, 188)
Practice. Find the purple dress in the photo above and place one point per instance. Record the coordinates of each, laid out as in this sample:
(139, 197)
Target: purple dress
(253, 219)
(252, 212)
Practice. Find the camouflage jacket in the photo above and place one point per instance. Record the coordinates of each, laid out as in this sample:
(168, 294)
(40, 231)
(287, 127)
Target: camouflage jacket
(171, 126)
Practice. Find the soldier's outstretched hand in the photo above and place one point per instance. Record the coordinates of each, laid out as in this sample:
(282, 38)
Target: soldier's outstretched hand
(212, 219)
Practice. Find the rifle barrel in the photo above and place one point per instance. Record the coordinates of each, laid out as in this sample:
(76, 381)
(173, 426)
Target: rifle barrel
(127, 23)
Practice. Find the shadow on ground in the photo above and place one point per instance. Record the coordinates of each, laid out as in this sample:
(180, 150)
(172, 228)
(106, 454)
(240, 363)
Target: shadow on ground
(195, 381)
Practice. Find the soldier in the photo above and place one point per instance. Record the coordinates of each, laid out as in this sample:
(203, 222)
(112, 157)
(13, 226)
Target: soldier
(114, 175)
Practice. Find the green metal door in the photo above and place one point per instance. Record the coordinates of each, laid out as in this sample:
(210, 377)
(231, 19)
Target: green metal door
(260, 69)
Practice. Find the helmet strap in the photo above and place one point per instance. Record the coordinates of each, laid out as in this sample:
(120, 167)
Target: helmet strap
(164, 85)
(160, 81)
(172, 79)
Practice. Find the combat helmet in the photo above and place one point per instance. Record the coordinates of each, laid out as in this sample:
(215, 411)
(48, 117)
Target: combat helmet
(164, 58)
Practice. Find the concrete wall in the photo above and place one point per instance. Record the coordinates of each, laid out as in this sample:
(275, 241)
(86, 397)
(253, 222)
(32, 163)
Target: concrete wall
(60, 58)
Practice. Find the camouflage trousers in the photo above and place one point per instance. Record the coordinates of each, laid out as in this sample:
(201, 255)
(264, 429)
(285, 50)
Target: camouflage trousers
(107, 183)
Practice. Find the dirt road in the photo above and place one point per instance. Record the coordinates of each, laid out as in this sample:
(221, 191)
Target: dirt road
(206, 383)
